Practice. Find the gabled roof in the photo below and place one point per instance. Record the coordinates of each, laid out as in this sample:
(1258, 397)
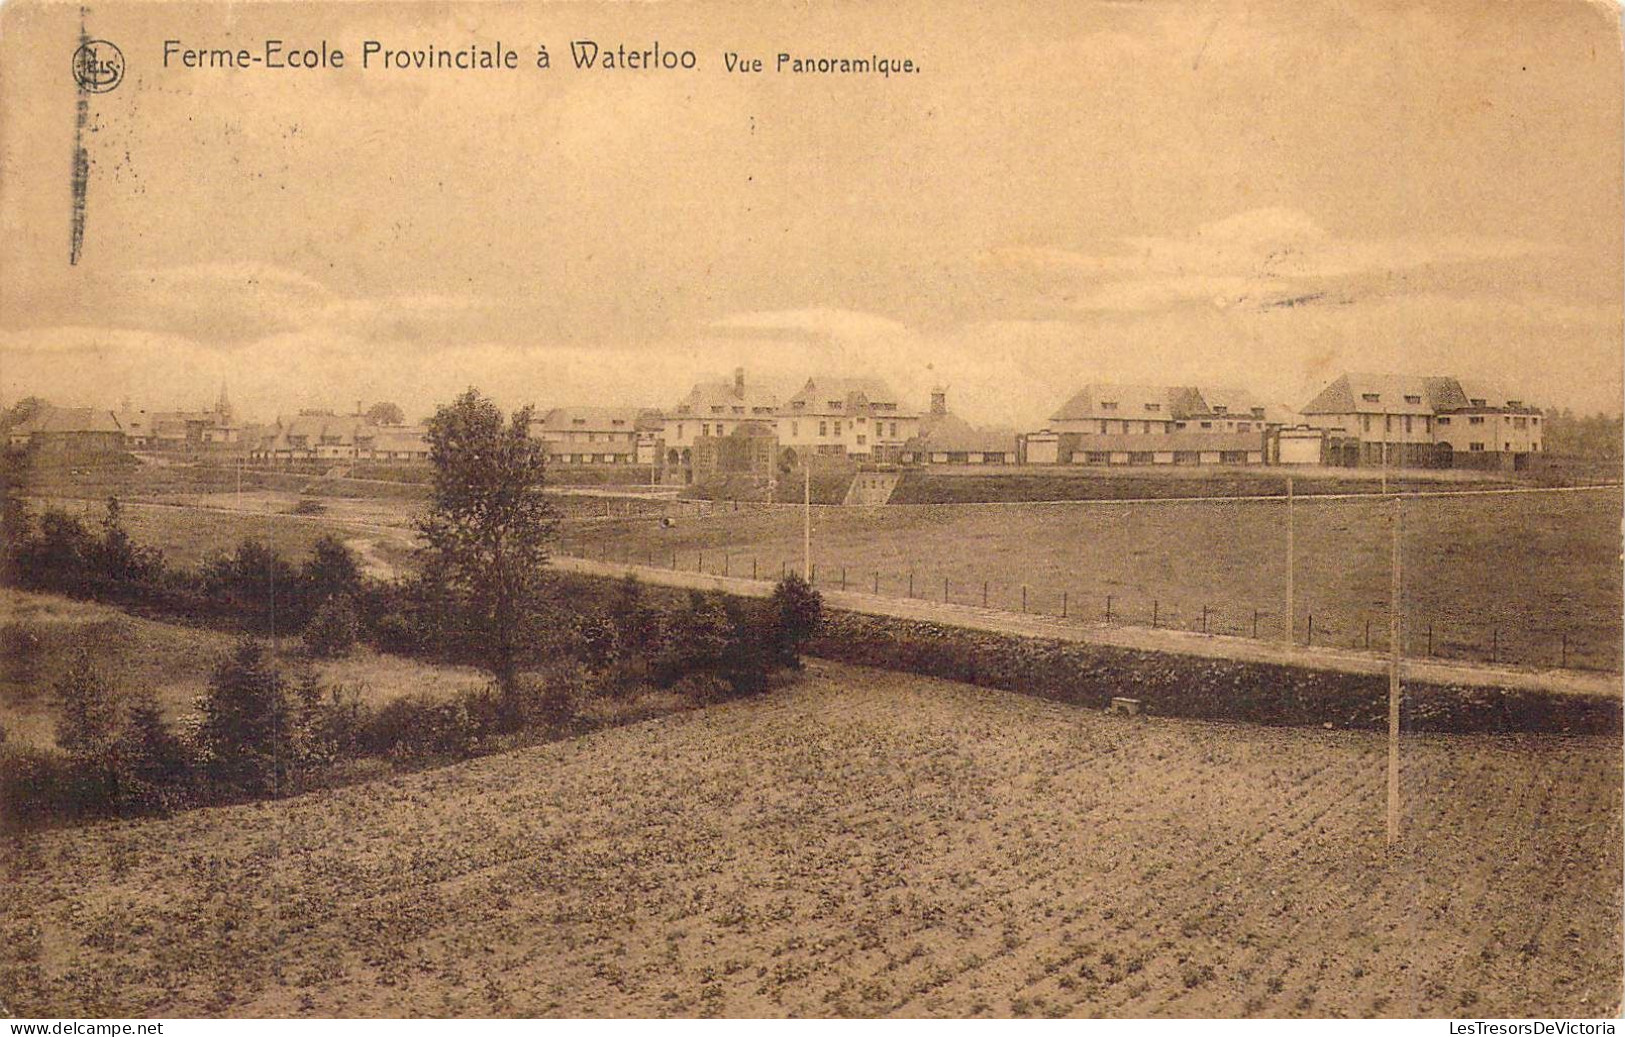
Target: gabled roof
(706, 395)
(1231, 401)
(1357, 393)
(316, 427)
(1494, 397)
(1133, 402)
(61, 420)
(401, 437)
(853, 394)
(952, 434)
(594, 419)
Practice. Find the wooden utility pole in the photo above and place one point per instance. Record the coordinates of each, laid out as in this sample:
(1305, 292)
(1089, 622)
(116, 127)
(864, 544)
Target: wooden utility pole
(1395, 632)
(1290, 562)
(806, 524)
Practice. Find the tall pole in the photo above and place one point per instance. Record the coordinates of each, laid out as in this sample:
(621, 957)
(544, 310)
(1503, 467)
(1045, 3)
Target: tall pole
(1394, 642)
(806, 523)
(1290, 562)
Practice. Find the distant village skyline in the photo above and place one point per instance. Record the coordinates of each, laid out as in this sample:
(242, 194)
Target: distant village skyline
(1115, 193)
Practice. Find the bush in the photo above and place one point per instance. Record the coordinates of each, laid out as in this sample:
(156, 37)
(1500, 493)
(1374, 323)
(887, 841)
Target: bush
(704, 688)
(799, 610)
(394, 633)
(247, 731)
(334, 629)
(37, 785)
(420, 725)
(555, 694)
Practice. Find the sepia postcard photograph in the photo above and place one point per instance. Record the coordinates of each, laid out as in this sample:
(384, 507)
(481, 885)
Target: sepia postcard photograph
(750, 509)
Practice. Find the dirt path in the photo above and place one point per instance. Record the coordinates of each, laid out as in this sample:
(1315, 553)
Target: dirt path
(1211, 646)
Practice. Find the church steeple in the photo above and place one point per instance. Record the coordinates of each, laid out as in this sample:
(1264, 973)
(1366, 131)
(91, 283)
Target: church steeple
(222, 406)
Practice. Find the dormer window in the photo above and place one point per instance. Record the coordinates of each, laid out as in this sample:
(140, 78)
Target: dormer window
(617, 421)
(1371, 397)
(578, 421)
(1413, 399)
(1478, 402)
(1258, 412)
(1108, 404)
(1221, 409)
(1514, 403)
(1153, 406)
(718, 409)
(834, 404)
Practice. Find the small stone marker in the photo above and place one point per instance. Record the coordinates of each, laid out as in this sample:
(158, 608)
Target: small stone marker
(1128, 707)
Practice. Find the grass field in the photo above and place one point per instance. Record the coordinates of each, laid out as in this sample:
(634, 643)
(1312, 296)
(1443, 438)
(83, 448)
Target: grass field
(1508, 576)
(41, 634)
(863, 843)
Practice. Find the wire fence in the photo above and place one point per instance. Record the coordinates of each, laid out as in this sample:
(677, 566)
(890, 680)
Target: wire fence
(1315, 624)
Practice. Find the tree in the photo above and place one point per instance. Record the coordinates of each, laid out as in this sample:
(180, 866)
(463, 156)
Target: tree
(120, 560)
(385, 413)
(799, 608)
(489, 523)
(334, 629)
(87, 724)
(330, 571)
(248, 722)
(257, 583)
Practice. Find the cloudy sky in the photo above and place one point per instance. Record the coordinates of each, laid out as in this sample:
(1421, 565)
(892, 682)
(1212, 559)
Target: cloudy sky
(1260, 194)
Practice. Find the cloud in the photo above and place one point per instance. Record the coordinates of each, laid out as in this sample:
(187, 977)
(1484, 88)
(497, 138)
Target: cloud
(1259, 259)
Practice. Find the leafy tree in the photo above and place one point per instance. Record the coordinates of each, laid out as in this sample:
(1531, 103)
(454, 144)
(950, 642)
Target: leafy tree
(152, 758)
(489, 524)
(334, 629)
(118, 558)
(257, 583)
(385, 413)
(798, 608)
(247, 723)
(87, 725)
(61, 557)
(331, 571)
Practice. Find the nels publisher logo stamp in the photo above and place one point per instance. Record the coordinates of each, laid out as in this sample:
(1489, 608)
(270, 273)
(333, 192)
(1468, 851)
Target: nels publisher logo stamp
(98, 66)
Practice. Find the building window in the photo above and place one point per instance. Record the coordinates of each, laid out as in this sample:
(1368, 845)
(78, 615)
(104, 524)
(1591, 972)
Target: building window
(1207, 424)
(1103, 426)
(1444, 421)
(1108, 404)
(1366, 422)
(823, 429)
(795, 429)
(1413, 399)
(1477, 403)
(1407, 423)
(1371, 397)
(1244, 426)
(1476, 419)
(1475, 446)
(1153, 407)
(837, 428)
(894, 430)
(862, 440)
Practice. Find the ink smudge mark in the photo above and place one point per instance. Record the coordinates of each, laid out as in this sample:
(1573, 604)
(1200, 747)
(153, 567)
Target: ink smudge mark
(81, 159)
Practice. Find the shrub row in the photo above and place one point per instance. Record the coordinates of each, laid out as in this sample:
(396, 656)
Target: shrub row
(1196, 687)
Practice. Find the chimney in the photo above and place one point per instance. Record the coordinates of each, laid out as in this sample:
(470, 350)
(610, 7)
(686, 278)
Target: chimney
(739, 381)
(939, 401)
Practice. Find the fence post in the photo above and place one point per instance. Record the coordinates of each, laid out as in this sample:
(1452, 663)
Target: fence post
(1154, 611)
(1024, 597)
(984, 594)
(1255, 623)
(702, 562)
(1063, 604)
(843, 577)
(1565, 664)
(945, 590)
(1495, 645)
(877, 583)
(1204, 619)
(813, 573)
(753, 568)
(1430, 639)
(725, 557)
(911, 583)
(1309, 641)
(782, 568)
(1108, 608)
(1368, 635)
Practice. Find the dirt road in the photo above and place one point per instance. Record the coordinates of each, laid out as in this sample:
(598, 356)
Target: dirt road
(1212, 646)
